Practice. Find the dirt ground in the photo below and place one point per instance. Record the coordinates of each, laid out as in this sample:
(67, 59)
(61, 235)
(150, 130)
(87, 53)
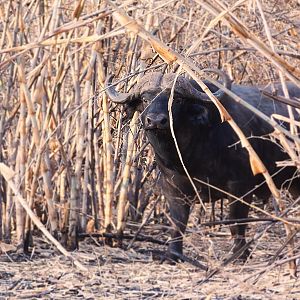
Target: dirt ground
(114, 273)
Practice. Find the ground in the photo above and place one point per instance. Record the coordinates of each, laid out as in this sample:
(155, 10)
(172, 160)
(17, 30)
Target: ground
(114, 273)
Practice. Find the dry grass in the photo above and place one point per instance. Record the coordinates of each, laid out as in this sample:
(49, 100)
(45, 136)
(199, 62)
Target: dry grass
(118, 274)
(72, 155)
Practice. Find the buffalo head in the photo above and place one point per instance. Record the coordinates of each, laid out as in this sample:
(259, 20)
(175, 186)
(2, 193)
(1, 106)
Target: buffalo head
(192, 110)
(150, 96)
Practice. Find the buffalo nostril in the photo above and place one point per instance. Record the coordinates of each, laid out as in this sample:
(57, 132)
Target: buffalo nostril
(154, 120)
(163, 121)
(148, 121)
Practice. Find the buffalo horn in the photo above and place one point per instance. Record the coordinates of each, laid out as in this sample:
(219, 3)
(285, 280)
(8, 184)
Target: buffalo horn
(113, 94)
(219, 94)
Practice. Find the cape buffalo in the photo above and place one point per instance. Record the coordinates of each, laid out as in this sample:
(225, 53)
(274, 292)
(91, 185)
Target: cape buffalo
(210, 149)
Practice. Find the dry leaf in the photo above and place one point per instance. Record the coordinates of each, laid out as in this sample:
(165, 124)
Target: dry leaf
(256, 167)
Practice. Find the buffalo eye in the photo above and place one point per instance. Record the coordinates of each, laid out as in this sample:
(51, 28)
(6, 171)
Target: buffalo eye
(144, 98)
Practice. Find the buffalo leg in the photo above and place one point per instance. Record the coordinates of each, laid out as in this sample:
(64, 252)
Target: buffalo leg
(179, 211)
(238, 210)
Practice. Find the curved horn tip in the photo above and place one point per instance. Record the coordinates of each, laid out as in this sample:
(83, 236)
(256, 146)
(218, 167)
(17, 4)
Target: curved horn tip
(226, 79)
(219, 94)
(109, 79)
(113, 94)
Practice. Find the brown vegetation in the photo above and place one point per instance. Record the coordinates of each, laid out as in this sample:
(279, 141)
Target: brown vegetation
(71, 164)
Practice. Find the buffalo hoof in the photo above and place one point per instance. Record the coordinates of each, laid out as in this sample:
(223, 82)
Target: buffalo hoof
(240, 250)
(171, 258)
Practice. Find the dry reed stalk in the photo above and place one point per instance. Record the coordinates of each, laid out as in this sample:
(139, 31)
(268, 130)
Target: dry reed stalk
(8, 208)
(146, 51)
(82, 130)
(6, 32)
(63, 202)
(79, 146)
(73, 214)
(84, 206)
(118, 141)
(30, 196)
(38, 95)
(126, 175)
(136, 178)
(31, 179)
(98, 203)
(5, 100)
(109, 182)
(20, 173)
(8, 174)
(107, 212)
(108, 156)
(88, 95)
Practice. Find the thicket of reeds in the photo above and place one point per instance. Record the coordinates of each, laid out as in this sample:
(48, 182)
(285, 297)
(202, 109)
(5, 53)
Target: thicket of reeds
(67, 153)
